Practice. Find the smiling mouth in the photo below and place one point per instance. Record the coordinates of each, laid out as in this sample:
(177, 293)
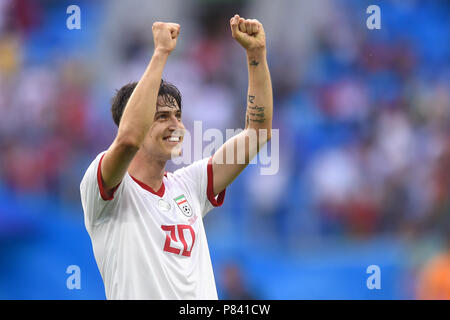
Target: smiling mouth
(173, 139)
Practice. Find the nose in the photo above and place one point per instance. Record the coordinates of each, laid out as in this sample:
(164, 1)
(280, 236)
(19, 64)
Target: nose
(175, 123)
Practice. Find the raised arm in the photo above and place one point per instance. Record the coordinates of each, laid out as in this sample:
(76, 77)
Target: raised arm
(237, 152)
(139, 112)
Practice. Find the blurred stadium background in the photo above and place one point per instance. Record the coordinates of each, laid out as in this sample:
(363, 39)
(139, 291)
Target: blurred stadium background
(364, 120)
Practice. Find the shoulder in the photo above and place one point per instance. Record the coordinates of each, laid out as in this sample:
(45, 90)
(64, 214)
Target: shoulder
(93, 166)
(198, 167)
(192, 176)
(92, 181)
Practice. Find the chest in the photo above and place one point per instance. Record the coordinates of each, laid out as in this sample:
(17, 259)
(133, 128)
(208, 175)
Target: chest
(173, 222)
(174, 207)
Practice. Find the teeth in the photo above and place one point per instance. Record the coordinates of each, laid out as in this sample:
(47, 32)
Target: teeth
(174, 139)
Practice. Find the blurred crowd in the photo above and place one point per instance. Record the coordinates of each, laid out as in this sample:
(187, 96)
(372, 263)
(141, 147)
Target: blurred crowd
(363, 115)
(44, 104)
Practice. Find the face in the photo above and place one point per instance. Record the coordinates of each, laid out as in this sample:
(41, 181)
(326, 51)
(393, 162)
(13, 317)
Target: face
(165, 136)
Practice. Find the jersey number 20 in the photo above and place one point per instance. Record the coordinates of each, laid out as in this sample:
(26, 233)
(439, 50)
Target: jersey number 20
(173, 237)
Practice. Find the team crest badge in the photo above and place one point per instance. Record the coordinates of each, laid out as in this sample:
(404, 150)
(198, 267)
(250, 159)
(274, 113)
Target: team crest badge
(184, 206)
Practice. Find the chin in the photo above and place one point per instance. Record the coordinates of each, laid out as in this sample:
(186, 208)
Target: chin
(176, 152)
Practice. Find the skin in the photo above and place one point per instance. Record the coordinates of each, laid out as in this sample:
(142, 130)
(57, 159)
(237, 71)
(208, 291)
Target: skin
(251, 36)
(150, 161)
(125, 153)
(141, 147)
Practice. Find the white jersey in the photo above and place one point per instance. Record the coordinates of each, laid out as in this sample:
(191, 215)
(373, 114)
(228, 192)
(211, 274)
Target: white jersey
(152, 245)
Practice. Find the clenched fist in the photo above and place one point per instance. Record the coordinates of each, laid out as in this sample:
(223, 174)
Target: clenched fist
(248, 32)
(165, 36)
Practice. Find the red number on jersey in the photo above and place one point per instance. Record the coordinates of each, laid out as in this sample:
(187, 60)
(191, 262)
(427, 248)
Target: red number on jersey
(187, 249)
(167, 246)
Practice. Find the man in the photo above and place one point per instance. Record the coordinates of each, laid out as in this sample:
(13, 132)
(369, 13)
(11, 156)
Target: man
(146, 225)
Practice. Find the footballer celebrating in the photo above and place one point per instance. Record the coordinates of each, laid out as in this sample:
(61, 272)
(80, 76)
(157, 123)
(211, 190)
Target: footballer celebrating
(146, 224)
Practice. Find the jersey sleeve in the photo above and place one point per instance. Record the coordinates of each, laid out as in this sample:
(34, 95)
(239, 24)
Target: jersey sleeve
(199, 177)
(94, 199)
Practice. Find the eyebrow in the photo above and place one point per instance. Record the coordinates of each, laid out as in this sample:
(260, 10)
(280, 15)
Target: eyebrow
(167, 112)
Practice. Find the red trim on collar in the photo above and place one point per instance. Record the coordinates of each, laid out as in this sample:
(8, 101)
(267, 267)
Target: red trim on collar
(159, 193)
(209, 190)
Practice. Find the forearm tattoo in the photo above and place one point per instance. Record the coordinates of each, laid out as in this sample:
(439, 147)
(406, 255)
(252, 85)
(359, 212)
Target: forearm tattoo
(254, 63)
(255, 114)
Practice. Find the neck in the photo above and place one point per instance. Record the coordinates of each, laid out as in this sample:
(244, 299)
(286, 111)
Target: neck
(147, 169)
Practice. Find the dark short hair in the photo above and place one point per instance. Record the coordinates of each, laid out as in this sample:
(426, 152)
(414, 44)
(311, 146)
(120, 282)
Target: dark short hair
(120, 100)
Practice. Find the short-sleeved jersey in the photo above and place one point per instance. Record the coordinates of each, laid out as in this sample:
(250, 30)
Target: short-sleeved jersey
(152, 244)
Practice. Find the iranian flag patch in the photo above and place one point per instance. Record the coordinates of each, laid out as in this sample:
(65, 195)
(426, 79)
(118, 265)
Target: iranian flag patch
(183, 204)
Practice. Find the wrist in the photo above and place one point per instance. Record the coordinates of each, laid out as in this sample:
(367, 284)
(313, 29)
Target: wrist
(161, 52)
(257, 53)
